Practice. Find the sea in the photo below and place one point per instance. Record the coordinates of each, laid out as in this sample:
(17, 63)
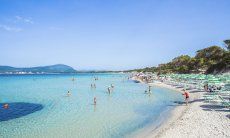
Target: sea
(39, 106)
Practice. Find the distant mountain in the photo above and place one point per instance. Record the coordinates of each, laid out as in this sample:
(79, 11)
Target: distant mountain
(58, 68)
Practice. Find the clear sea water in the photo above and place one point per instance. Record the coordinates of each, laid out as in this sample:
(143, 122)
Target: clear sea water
(125, 110)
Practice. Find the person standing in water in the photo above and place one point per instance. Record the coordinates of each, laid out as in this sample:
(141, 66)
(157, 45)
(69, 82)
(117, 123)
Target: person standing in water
(109, 90)
(94, 100)
(149, 89)
(186, 95)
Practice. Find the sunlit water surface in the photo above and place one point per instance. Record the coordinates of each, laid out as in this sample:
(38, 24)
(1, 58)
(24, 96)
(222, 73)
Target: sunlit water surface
(50, 113)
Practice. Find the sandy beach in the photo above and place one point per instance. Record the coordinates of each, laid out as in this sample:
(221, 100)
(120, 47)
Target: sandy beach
(198, 119)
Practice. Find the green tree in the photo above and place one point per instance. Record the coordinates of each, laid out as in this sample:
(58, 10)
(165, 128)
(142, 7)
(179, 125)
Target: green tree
(210, 55)
(181, 60)
(227, 43)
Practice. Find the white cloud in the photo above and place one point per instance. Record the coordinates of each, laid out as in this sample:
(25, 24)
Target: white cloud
(18, 17)
(10, 29)
(25, 20)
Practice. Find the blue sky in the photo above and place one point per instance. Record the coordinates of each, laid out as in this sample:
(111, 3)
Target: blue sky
(108, 34)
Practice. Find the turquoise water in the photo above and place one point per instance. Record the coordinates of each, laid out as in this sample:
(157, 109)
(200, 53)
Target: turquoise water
(118, 114)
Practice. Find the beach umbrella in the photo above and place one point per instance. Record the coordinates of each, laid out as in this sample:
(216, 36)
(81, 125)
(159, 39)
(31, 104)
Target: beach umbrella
(214, 81)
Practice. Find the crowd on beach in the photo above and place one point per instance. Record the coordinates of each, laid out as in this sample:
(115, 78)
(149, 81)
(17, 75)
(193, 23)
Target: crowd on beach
(216, 88)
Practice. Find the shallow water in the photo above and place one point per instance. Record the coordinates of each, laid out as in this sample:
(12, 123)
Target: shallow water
(118, 114)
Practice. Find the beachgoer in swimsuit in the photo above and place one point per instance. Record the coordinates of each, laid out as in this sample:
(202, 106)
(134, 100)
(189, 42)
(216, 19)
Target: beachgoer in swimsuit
(186, 94)
(95, 100)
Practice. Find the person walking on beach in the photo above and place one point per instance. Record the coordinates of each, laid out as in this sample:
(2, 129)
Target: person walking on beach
(186, 95)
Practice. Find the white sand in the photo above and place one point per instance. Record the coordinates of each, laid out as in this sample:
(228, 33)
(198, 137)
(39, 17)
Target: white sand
(198, 119)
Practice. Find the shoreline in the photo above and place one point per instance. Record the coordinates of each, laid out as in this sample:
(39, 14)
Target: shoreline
(174, 115)
(182, 119)
(151, 131)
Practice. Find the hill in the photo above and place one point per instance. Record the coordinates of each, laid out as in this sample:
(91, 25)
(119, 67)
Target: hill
(58, 68)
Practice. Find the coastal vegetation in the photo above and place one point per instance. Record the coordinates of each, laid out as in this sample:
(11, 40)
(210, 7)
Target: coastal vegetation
(213, 59)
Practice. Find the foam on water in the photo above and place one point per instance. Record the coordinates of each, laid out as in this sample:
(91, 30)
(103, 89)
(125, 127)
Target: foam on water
(125, 110)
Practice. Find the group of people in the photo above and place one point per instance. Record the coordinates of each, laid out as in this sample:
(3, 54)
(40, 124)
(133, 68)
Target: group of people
(93, 86)
(148, 78)
(211, 88)
(149, 90)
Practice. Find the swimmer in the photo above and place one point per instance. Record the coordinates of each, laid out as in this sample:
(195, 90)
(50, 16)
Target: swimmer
(6, 106)
(68, 93)
(95, 100)
(94, 85)
(112, 86)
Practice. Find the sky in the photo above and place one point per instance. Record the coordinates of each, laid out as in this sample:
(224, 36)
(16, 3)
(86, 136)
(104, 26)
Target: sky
(108, 34)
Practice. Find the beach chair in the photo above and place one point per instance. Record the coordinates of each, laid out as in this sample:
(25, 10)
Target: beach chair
(224, 102)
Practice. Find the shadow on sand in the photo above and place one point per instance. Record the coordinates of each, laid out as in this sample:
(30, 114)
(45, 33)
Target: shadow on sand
(210, 107)
(181, 103)
(196, 91)
(17, 110)
(228, 116)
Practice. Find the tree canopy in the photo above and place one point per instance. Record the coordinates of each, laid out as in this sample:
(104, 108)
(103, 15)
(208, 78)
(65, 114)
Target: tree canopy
(208, 60)
(227, 43)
